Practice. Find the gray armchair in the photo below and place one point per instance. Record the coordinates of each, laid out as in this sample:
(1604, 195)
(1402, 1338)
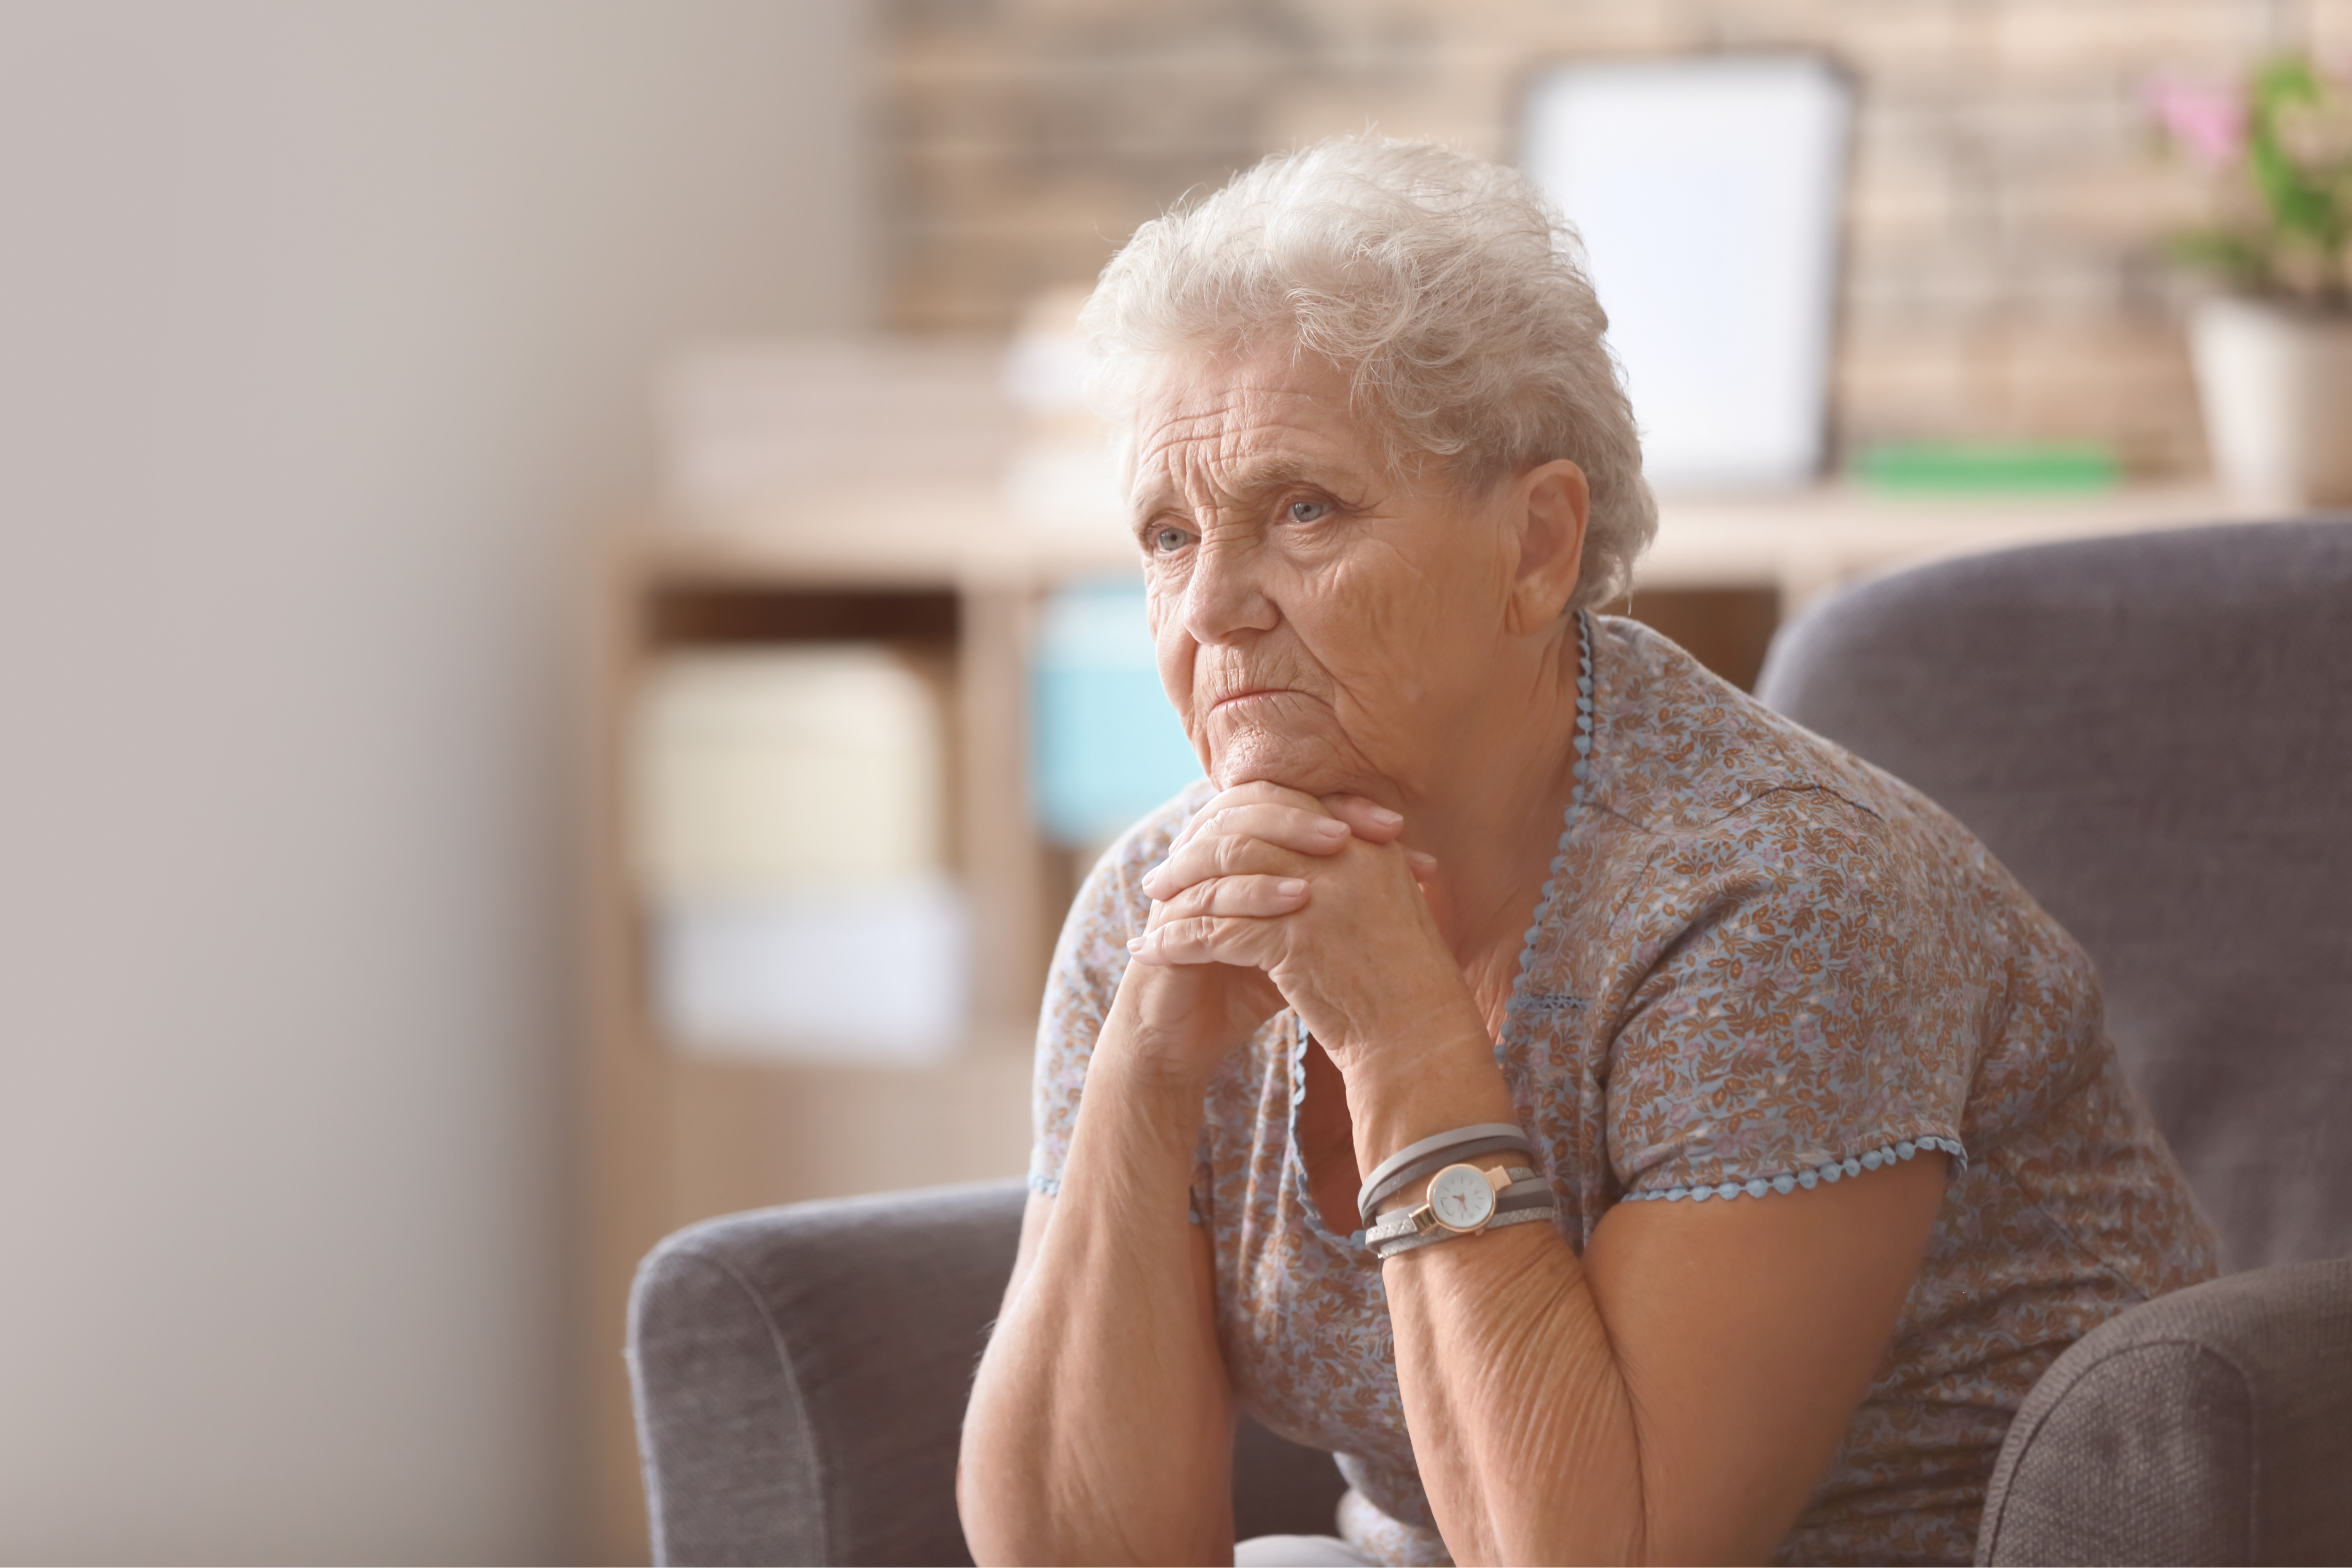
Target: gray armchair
(2155, 732)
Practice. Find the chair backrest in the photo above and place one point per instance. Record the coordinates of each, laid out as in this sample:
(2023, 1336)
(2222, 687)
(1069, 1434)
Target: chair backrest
(2154, 733)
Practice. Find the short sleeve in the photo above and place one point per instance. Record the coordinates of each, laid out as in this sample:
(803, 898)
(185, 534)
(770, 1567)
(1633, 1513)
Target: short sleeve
(1089, 959)
(1812, 1010)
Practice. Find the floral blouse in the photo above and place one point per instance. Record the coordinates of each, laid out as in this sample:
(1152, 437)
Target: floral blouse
(1760, 963)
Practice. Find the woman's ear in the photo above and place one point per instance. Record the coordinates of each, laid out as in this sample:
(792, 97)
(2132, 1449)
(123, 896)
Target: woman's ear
(1551, 504)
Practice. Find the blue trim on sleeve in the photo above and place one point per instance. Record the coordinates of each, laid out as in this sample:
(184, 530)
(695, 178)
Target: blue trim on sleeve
(1811, 1177)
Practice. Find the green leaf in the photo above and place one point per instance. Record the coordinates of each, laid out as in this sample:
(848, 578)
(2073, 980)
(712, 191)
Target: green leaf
(2235, 256)
(2299, 204)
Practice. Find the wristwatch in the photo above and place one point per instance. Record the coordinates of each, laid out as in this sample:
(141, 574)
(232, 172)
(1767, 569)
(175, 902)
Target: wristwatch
(1461, 1200)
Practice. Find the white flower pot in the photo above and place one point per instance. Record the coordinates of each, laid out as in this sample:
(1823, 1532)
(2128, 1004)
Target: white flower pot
(2276, 386)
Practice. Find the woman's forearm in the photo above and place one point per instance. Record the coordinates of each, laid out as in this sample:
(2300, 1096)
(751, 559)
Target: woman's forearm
(1100, 1429)
(1505, 1349)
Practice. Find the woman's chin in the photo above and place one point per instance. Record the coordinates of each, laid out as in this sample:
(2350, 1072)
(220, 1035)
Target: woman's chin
(1309, 765)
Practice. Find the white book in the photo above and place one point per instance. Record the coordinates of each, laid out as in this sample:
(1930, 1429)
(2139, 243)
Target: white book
(873, 976)
(784, 769)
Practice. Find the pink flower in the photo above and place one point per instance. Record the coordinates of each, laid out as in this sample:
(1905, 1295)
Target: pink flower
(2208, 122)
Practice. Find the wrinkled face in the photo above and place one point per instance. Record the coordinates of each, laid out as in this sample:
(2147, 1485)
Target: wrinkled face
(1320, 625)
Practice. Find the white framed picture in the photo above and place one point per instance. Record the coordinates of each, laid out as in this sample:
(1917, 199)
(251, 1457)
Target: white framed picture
(1708, 194)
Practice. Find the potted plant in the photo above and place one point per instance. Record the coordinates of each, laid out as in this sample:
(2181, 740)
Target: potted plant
(2273, 353)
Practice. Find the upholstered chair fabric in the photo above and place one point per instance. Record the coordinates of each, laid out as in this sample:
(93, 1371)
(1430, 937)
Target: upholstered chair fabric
(2214, 1425)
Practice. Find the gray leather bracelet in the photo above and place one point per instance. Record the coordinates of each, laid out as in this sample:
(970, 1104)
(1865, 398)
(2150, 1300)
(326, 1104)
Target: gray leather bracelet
(1516, 1216)
(1412, 1162)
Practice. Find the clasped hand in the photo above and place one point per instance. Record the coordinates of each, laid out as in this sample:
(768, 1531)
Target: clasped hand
(1271, 897)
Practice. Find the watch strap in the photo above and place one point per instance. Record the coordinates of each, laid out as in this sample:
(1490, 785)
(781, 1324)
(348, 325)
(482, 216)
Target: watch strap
(1515, 1217)
(1526, 1190)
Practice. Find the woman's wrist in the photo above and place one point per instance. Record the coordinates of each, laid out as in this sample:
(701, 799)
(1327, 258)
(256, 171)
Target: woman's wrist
(1149, 1081)
(1159, 1055)
(1414, 1086)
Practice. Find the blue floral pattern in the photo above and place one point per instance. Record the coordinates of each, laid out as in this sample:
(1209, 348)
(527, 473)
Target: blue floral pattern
(1759, 965)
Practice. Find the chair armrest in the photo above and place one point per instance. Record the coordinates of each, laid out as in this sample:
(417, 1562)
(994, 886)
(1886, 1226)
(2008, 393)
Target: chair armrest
(2210, 1425)
(800, 1376)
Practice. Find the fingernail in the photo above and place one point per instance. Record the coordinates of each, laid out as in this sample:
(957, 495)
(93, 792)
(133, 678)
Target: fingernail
(1291, 886)
(1420, 857)
(1135, 944)
(1386, 818)
(1332, 828)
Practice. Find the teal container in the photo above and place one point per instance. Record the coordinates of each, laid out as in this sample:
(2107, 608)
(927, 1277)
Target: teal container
(1104, 747)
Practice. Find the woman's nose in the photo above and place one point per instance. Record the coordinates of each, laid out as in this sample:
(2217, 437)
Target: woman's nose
(1226, 594)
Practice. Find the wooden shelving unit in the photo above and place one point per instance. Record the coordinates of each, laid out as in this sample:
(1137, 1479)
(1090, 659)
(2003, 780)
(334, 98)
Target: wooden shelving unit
(674, 1137)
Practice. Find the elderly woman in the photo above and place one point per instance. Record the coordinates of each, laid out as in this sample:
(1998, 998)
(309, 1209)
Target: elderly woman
(1616, 1123)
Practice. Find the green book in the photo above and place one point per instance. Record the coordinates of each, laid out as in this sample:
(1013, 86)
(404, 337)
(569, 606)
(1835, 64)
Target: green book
(1957, 467)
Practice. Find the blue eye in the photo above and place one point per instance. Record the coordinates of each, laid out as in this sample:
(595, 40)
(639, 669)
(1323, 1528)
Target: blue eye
(1308, 511)
(1168, 541)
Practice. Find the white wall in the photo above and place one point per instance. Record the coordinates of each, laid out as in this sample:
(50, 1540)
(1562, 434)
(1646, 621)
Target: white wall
(324, 335)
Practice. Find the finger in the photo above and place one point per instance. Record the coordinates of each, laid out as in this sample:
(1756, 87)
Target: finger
(1220, 855)
(1302, 828)
(1368, 820)
(1239, 940)
(1260, 897)
(1288, 827)
(1434, 890)
(1255, 792)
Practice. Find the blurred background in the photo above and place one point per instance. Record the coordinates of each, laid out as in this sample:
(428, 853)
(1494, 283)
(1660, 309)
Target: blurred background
(563, 649)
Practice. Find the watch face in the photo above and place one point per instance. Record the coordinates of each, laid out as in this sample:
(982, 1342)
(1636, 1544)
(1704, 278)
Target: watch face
(1460, 1198)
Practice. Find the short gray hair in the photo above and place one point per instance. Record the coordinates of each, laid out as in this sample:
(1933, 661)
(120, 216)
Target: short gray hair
(1447, 286)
